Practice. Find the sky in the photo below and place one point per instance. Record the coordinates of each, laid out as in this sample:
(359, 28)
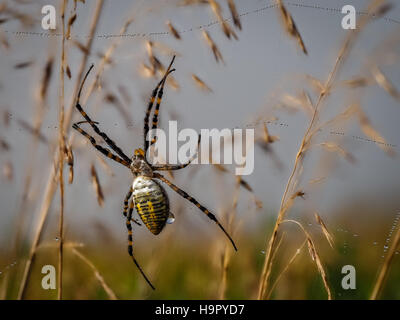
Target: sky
(263, 63)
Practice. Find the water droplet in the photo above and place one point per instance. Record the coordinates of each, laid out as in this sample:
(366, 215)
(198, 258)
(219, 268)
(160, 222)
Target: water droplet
(262, 252)
(171, 218)
(56, 239)
(375, 243)
(385, 247)
(355, 235)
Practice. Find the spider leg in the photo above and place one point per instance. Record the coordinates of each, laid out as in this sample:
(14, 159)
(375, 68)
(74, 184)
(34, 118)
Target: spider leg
(151, 102)
(131, 207)
(196, 203)
(168, 167)
(130, 250)
(104, 151)
(110, 142)
(126, 201)
(159, 98)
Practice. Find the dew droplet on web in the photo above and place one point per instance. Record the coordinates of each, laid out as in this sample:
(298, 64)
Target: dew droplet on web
(56, 239)
(171, 218)
(262, 252)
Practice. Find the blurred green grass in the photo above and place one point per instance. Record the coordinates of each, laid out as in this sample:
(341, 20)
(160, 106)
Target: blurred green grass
(191, 269)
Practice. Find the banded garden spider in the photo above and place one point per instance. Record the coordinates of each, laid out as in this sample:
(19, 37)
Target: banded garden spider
(148, 196)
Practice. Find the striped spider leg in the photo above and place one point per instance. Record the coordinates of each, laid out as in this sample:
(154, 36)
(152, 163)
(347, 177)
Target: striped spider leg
(196, 203)
(150, 106)
(130, 239)
(109, 142)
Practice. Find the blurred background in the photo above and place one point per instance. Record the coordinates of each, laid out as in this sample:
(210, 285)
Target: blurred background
(261, 80)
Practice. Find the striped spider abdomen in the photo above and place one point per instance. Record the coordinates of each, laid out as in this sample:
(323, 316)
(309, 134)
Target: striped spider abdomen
(151, 203)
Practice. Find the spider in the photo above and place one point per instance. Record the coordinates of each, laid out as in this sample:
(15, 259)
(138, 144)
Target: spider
(146, 193)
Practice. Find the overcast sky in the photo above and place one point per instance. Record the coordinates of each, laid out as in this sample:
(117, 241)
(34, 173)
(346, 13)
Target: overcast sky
(263, 63)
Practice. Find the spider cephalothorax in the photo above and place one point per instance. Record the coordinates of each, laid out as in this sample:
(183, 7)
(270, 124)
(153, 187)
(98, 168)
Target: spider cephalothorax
(146, 194)
(139, 165)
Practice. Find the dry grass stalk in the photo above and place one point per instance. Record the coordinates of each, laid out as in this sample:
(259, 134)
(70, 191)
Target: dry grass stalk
(285, 269)
(244, 184)
(52, 181)
(8, 171)
(300, 102)
(81, 47)
(34, 131)
(333, 147)
(201, 84)
(384, 272)
(4, 40)
(97, 274)
(385, 83)
(69, 155)
(99, 68)
(240, 182)
(348, 113)
(226, 254)
(6, 118)
(343, 53)
(96, 185)
(315, 83)
(317, 180)
(327, 234)
(357, 82)
(234, 13)
(290, 25)
(173, 31)
(265, 144)
(62, 147)
(23, 65)
(314, 256)
(68, 72)
(4, 145)
(192, 2)
(216, 8)
(213, 46)
(372, 133)
(25, 19)
(40, 112)
(71, 21)
(156, 66)
(48, 70)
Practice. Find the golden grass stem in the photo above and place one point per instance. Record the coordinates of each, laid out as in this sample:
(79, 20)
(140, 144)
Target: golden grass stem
(61, 155)
(97, 274)
(384, 272)
(52, 181)
(343, 53)
(314, 256)
(292, 259)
